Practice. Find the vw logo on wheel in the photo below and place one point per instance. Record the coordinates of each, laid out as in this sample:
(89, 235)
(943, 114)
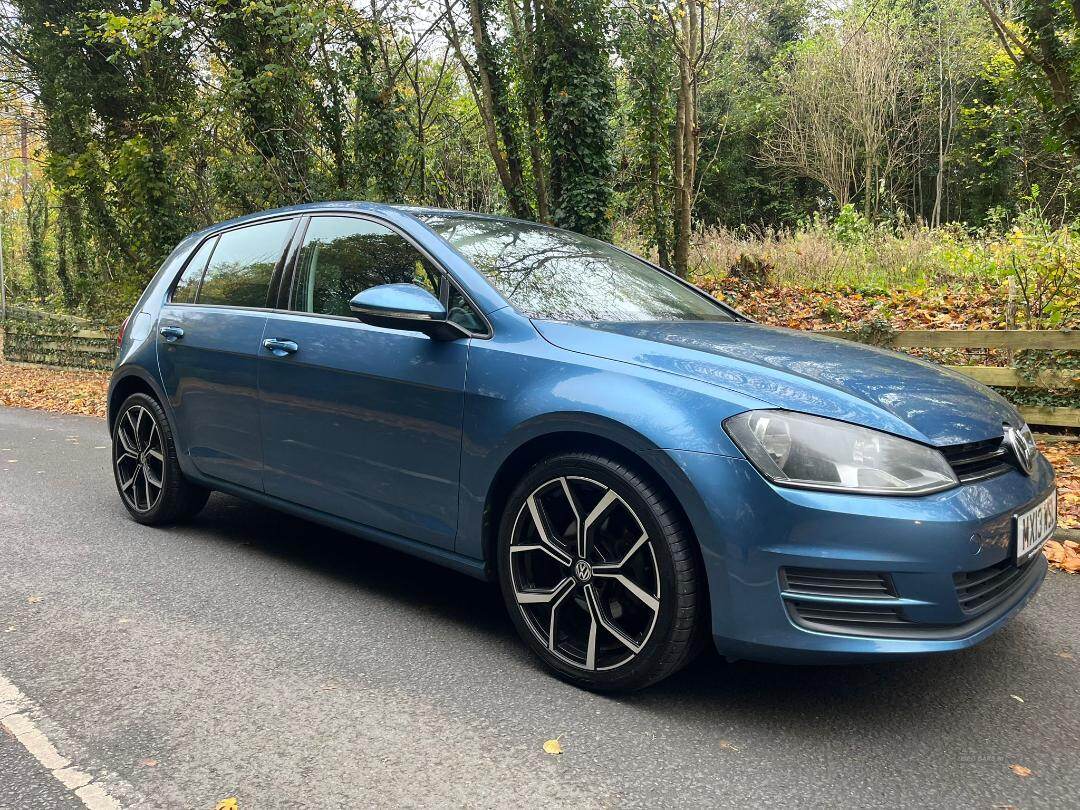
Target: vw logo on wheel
(583, 571)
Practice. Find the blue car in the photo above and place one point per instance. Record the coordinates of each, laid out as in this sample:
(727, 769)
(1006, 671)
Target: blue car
(637, 465)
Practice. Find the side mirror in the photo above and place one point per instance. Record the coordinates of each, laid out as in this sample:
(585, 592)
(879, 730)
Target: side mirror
(407, 307)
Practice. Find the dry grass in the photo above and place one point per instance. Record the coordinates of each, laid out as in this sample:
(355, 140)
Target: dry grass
(816, 259)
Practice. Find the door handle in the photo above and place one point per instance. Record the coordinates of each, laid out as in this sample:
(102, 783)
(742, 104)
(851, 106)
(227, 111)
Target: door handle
(280, 348)
(171, 333)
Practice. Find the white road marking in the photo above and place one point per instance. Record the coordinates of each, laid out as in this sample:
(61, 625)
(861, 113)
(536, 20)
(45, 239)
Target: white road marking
(17, 714)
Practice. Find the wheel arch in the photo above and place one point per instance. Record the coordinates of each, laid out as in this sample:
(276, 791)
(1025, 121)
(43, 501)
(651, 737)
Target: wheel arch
(126, 384)
(513, 467)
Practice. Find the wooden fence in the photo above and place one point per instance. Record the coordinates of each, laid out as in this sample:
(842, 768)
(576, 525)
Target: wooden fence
(66, 341)
(1008, 340)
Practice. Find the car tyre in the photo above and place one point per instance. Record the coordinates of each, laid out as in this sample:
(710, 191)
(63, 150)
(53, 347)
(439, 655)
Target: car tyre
(147, 473)
(610, 595)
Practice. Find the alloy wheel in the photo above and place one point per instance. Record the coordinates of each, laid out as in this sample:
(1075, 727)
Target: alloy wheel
(584, 573)
(139, 455)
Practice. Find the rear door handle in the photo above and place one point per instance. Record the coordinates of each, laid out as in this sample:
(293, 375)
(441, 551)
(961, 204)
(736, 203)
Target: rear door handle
(171, 333)
(280, 348)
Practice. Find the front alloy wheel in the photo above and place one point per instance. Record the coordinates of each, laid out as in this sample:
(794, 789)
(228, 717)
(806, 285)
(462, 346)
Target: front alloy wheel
(592, 560)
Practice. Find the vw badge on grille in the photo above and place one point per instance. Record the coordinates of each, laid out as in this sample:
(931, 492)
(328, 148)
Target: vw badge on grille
(1023, 447)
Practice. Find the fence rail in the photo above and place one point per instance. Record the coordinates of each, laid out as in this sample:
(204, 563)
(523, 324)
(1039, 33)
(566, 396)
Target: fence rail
(56, 340)
(1000, 376)
(15, 313)
(1058, 339)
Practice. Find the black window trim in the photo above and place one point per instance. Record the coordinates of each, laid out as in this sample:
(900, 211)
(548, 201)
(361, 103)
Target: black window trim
(446, 277)
(272, 291)
(170, 291)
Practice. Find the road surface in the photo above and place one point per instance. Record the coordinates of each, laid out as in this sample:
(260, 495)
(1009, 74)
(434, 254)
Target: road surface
(254, 655)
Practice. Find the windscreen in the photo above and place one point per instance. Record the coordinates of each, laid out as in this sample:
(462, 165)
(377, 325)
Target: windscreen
(559, 275)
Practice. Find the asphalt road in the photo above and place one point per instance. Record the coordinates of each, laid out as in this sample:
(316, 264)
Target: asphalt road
(253, 655)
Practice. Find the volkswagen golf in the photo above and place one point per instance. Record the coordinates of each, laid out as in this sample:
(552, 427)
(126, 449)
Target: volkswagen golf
(637, 465)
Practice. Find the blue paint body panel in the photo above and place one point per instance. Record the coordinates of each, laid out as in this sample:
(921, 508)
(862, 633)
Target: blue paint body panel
(365, 423)
(400, 438)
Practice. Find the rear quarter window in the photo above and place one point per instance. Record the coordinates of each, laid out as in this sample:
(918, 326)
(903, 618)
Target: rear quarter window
(242, 264)
(187, 286)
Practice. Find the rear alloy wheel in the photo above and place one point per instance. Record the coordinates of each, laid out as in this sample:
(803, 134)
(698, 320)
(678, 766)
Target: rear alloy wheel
(599, 573)
(139, 459)
(147, 474)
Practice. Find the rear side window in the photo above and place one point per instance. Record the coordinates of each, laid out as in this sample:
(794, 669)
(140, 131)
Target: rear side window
(242, 264)
(343, 256)
(188, 284)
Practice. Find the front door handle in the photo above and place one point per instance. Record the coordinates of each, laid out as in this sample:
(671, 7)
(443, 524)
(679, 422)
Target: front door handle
(280, 348)
(171, 333)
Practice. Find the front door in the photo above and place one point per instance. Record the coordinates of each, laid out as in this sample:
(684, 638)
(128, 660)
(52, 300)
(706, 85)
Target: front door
(360, 422)
(209, 344)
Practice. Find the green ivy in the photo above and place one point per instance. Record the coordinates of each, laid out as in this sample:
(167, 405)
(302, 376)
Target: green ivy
(579, 102)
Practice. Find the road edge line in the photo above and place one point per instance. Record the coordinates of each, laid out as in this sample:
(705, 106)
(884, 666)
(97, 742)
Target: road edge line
(17, 714)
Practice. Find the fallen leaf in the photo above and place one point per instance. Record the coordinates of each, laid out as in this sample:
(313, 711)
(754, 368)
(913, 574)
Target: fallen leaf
(33, 600)
(1066, 655)
(553, 747)
(1017, 698)
(727, 746)
(227, 804)
(1020, 771)
(149, 763)
(1063, 556)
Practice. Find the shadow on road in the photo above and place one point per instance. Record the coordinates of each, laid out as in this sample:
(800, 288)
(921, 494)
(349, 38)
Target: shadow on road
(897, 692)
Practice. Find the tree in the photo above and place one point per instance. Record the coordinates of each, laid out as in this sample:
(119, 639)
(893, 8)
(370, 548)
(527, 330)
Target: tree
(1044, 41)
(847, 112)
(487, 73)
(646, 49)
(578, 104)
(959, 49)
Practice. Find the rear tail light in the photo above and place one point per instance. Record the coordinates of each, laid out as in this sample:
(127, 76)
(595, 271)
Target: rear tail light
(123, 328)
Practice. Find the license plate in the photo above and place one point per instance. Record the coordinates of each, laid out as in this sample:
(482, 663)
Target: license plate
(1034, 527)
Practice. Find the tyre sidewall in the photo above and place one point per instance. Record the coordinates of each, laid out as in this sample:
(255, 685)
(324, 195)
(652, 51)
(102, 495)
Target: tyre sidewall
(170, 469)
(639, 671)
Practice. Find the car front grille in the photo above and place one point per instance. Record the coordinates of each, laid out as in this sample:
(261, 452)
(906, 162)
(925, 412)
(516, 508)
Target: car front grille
(822, 582)
(977, 461)
(980, 590)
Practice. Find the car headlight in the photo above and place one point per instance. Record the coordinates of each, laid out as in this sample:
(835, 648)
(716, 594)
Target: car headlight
(798, 450)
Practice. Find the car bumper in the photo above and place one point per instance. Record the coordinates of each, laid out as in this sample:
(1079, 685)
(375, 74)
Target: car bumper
(802, 576)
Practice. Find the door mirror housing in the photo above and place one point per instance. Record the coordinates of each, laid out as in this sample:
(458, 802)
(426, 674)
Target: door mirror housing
(407, 307)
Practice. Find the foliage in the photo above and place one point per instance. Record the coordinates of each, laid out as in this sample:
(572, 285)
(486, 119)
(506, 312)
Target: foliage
(149, 119)
(578, 93)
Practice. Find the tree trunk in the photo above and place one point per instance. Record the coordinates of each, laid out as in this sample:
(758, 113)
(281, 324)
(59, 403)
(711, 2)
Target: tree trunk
(686, 137)
(524, 25)
(498, 124)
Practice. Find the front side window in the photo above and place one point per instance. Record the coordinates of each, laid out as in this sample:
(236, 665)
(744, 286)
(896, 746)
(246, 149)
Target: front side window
(560, 275)
(243, 263)
(343, 256)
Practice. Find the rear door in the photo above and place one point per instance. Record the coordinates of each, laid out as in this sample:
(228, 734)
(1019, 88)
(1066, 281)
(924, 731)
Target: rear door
(361, 422)
(209, 341)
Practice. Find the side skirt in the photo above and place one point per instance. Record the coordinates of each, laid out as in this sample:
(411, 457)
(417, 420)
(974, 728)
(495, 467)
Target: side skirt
(457, 562)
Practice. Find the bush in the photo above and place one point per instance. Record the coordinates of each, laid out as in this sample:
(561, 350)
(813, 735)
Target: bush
(849, 251)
